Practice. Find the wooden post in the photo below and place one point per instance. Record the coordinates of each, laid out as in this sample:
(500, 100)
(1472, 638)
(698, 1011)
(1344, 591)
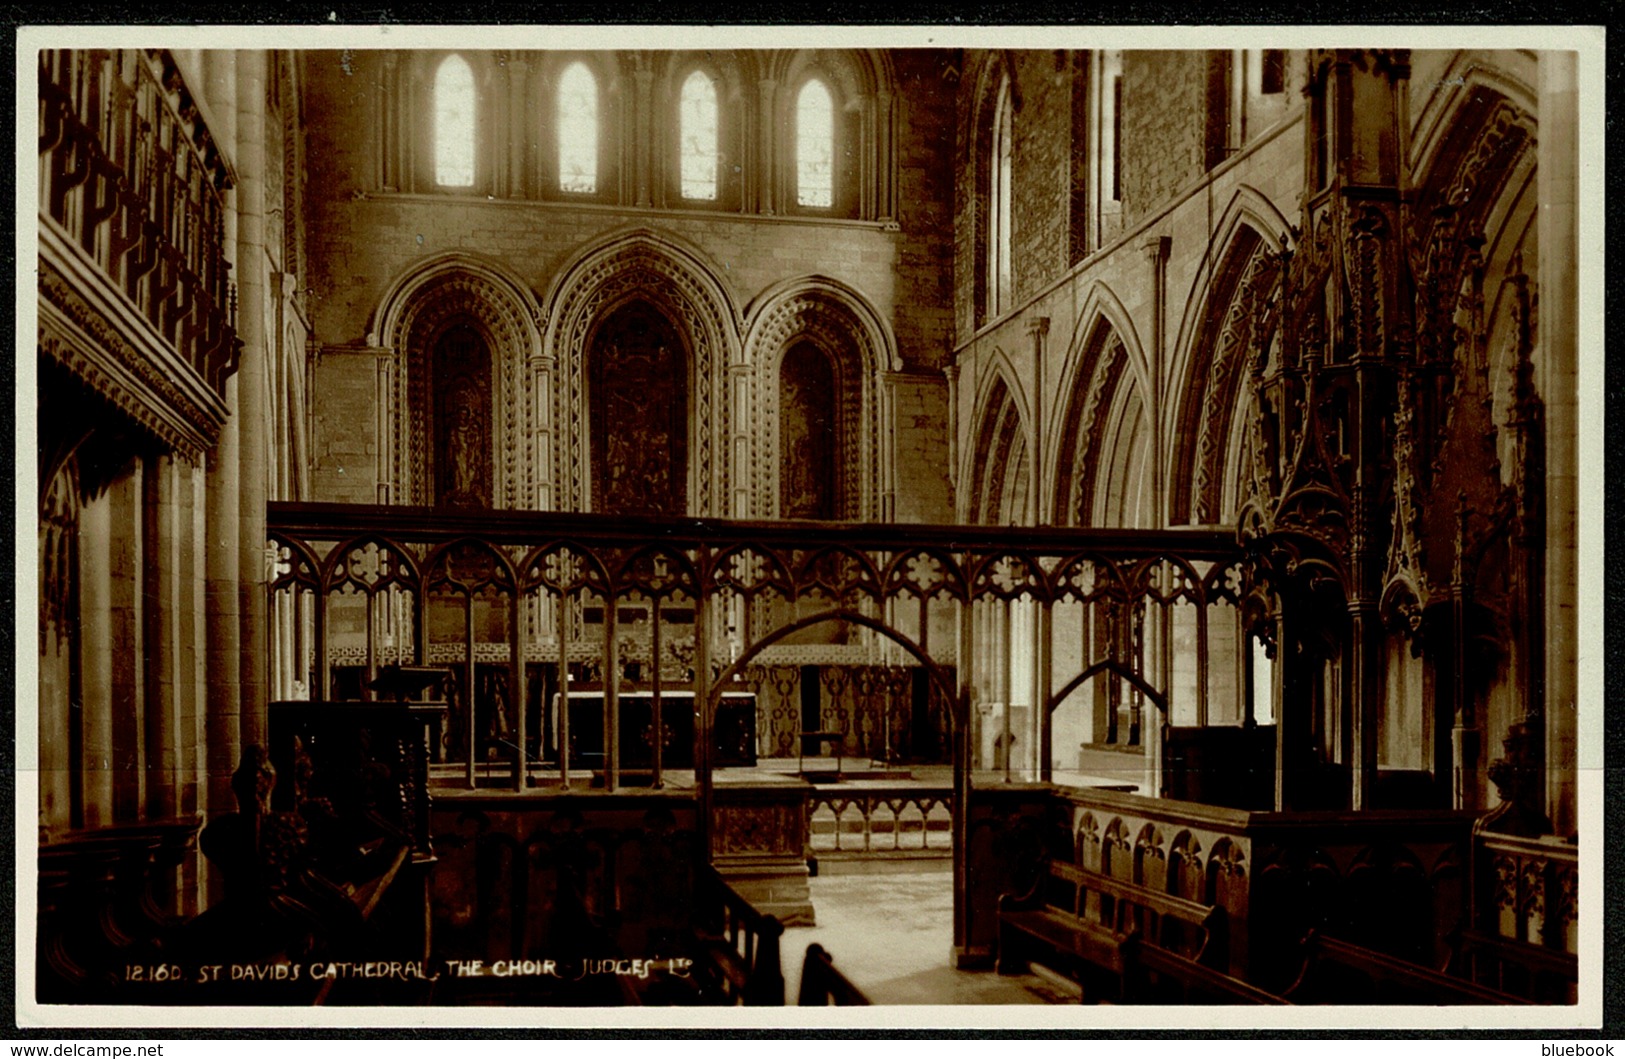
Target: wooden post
(657, 723)
(706, 712)
(1042, 692)
(612, 697)
(468, 682)
(564, 689)
(516, 687)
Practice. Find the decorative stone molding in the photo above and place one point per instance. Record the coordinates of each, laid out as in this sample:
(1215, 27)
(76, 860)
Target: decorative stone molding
(459, 286)
(843, 324)
(92, 331)
(643, 264)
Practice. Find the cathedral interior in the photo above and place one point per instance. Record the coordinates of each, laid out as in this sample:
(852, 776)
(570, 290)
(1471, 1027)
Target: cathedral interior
(513, 524)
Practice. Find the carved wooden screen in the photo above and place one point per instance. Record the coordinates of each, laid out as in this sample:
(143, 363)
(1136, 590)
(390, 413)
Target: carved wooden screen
(638, 394)
(808, 436)
(462, 418)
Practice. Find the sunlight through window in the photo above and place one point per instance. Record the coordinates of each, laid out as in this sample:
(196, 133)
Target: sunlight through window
(697, 124)
(578, 130)
(815, 146)
(454, 123)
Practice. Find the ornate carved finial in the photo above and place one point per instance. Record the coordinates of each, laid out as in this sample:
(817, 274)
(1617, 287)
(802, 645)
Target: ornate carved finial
(254, 781)
(1517, 776)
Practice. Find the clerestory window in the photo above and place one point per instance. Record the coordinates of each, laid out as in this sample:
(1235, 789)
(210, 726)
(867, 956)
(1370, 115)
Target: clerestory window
(697, 132)
(815, 146)
(578, 130)
(454, 123)
(999, 212)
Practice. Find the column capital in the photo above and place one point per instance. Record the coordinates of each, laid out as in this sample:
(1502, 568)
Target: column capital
(1038, 326)
(1156, 247)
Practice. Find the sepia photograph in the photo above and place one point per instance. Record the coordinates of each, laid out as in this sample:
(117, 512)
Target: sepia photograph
(533, 522)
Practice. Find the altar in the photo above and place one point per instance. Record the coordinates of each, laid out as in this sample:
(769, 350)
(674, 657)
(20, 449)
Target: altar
(734, 730)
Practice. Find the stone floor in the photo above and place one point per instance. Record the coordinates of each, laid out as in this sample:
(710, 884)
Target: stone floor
(891, 935)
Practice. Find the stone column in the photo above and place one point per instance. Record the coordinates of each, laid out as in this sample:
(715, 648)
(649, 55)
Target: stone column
(126, 562)
(1037, 328)
(767, 177)
(521, 130)
(1156, 249)
(160, 585)
(1557, 366)
(220, 609)
(253, 393)
(885, 164)
(642, 103)
(96, 665)
(951, 373)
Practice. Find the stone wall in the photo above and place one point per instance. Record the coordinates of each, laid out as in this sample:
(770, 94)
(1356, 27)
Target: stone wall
(362, 240)
(1164, 113)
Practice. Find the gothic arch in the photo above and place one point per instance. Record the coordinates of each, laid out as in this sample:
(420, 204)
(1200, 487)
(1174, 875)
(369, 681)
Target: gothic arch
(996, 68)
(1122, 495)
(1248, 208)
(845, 326)
(1093, 389)
(420, 305)
(674, 278)
(1471, 77)
(998, 462)
(1211, 370)
(1101, 349)
(406, 96)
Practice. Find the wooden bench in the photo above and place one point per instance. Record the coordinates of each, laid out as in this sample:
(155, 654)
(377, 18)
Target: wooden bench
(823, 985)
(1341, 972)
(1184, 981)
(1537, 973)
(738, 947)
(1103, 928)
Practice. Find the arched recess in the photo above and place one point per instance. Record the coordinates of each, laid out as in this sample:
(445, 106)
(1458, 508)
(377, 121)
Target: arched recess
(729, 73)
(845, 328)
(1210, 395)
(675, 280)
(1471, 79)
(405, 86)
(1123, 494)
(862, 84)
(1210, 354)
(1468, 419)
(994, 82)
(1096, 370)
(999, 470)
(460, 290)
(611, 103)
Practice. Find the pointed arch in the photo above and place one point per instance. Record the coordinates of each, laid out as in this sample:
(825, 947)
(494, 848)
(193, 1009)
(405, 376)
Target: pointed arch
(998, 461)
(1248, 208)
(677, 280)
(1470, 77)
(1102, 348)
(1217, 335)
(847, 329)
(994, 103)
(432, 296)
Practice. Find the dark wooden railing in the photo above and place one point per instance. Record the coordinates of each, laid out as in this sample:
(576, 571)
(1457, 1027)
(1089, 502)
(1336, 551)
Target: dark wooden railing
(102, 897)
(822, 984)
(548, 577)
(898, 819)
(1524, 936)
(740, 946)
